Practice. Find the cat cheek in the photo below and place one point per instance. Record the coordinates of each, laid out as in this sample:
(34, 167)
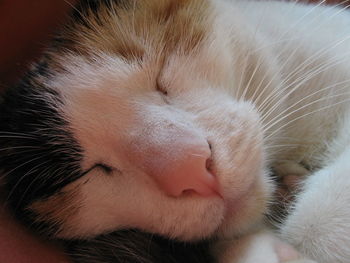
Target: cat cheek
(53, 213)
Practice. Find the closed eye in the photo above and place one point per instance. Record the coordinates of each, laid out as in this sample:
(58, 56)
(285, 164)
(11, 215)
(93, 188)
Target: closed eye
(106, 168)
(161, 89)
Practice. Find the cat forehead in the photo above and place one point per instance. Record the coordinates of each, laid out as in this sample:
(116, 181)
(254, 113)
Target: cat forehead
(131, 29)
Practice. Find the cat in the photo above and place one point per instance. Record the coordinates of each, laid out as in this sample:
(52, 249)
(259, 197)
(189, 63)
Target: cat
(169, 116)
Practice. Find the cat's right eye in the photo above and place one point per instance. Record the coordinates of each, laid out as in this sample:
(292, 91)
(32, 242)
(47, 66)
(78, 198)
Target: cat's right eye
(106, 168)
(160, 88)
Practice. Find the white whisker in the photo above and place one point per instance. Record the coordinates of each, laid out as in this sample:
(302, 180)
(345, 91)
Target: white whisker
(305, 98)
(306, 114)
(302, 80)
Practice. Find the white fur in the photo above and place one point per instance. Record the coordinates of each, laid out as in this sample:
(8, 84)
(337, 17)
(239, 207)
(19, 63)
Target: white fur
(125, 118)
(320, 223)
(257, 90)
(261, 246)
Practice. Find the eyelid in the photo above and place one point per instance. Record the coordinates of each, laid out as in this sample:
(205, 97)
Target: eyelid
(105, 167)
(161, 88)
(108, 169)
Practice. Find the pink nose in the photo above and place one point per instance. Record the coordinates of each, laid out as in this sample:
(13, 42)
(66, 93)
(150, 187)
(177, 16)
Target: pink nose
(185, 171)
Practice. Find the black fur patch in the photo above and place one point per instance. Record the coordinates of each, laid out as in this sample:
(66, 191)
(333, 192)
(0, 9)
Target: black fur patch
(84, 11)
(131, 246)
(38, 154)
(91, 7)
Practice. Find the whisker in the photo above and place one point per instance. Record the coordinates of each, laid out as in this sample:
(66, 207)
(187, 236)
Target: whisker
(288, 59)
(311, 74)
(19, 147)
(269, 99)
(306, 114)
(29, 161)
(259, 62)
(39, 176)
(310, 60)
(24, 176)
(16, 137)
(305, 98)
(269, 125)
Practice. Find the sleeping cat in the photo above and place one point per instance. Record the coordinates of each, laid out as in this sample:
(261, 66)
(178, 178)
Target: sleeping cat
(167, 116)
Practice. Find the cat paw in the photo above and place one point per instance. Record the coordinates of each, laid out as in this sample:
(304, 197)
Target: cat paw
(262, 247)
(287, 254)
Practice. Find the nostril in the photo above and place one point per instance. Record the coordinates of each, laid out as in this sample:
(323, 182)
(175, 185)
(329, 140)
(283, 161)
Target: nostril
(188, 192)
(209, 161)
(209, 164)
(186, 171)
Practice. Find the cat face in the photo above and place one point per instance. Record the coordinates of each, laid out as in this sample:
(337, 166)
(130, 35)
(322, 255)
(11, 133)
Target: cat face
(142, 133)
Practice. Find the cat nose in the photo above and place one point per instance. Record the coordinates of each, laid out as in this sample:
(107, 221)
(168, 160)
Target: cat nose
(187, 174)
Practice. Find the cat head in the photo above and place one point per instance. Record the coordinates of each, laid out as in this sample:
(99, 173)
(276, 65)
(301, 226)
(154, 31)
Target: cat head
(132, 120)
